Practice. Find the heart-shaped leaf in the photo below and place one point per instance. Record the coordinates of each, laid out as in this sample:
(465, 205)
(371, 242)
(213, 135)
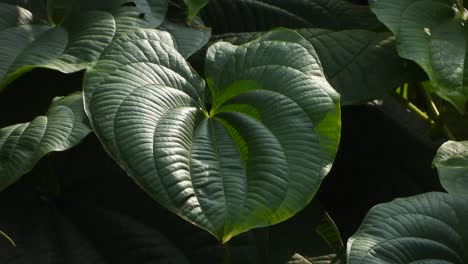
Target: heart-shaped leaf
(253, 156)
(73, 45)
(427, 228)
(361, 65)
(22, 145)
(433, 34)
(225, 16)
(451, 161)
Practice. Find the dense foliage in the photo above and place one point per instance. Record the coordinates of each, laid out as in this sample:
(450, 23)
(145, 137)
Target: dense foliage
(226, 113)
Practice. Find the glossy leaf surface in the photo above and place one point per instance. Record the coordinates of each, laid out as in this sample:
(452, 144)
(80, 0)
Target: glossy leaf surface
(253, 156)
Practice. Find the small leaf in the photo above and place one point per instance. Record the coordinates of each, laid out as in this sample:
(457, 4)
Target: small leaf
(434, 35)
(426, 228)
(255, 158)
(23, 145)
(451, 161)
(194, 6)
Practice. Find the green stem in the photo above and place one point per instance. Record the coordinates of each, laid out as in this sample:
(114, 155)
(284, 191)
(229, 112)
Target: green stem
(8, 238)
(414, 109)
(434, 112)
(226, 255)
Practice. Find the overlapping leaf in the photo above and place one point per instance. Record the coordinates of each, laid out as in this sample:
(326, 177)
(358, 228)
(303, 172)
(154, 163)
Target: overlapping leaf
(451, 161)
(361, 65)
(427, 228)
(253, 156)
(433, 34)
(73, 45)
(22, 145)
(225, 16)
(189, 39)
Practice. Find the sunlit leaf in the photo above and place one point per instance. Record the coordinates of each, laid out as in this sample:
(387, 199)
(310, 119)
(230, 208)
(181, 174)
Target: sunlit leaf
(253, 156)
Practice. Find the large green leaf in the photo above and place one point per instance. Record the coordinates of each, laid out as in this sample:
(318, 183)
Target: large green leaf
(225, 16)
(253, 156)
(23, 145)
(451, 161)
(427, 228)
(433, 34)
(73, 45)
(361, 65)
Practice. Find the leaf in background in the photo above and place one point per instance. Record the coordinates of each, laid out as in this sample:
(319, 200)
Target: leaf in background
(433, 34)
(71, 46)
(361, 65)
(128, 14)
(194, 6)
(451, 161)
(189, 39)
(426, 228)
(124, 225)
(225, 16)
(254, 159)
(23, 145)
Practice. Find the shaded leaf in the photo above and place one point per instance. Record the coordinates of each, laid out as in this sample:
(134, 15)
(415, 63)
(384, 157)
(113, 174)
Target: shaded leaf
(330, 234)
(361, 65)
(225, 16)
(254, 159)
(426, 228)
(23, 145)
(189, 39)
(433, 34)
(451, 161)
(124, 225)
